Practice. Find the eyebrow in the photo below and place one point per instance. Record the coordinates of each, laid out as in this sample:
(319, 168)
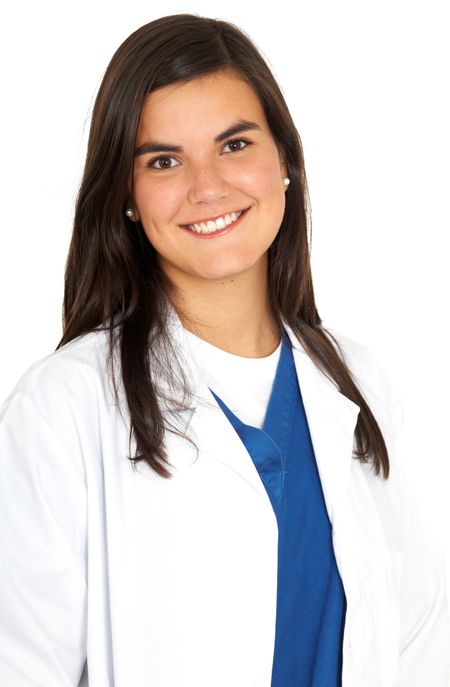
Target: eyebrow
(236, 128)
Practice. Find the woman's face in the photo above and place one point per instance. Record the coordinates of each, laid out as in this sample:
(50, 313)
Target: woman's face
(189, 171)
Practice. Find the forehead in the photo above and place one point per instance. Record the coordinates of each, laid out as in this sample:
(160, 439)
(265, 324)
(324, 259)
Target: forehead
(199, 108)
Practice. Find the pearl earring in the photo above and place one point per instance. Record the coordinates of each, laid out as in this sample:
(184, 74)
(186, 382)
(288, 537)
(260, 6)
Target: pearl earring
(286, 181)
(129, 212)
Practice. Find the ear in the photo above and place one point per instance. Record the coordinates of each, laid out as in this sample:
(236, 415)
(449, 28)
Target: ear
(135, 217)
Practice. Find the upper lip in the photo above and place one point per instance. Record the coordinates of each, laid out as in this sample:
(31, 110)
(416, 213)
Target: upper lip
(212, 219)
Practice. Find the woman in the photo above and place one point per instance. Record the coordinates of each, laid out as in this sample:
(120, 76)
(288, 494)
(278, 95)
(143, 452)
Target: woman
(201, 486)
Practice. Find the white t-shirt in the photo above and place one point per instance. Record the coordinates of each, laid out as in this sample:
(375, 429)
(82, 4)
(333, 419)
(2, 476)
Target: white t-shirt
(243, 384)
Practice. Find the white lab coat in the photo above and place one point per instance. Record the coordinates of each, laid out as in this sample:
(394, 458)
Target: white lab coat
(172, 583)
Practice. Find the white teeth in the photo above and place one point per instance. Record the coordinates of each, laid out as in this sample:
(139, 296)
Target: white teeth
(220, 223)
(214, 225)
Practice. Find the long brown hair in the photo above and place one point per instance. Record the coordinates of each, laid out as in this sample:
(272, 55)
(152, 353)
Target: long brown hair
(113, 280)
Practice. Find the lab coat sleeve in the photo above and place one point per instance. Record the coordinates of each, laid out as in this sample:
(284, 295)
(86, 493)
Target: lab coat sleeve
(425, 640)
(42, 562)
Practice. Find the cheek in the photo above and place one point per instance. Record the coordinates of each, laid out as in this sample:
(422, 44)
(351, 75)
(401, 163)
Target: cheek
(156, 203)
(262, 179)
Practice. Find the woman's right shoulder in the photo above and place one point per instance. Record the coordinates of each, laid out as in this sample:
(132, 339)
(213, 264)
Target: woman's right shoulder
(70, 380)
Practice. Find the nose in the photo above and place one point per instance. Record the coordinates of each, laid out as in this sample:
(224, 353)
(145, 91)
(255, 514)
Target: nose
(206, 183)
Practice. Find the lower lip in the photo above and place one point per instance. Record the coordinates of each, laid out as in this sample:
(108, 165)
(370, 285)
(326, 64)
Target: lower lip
(218, 232)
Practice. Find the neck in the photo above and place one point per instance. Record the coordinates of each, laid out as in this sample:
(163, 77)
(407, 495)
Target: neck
(233, 314)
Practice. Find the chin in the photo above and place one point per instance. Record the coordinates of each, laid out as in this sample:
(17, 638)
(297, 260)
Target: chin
(225, 271)
(216, 267)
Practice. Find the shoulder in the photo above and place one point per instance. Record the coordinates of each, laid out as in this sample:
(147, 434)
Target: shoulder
(358, 356)
(67, 385)
(81, 358)
(369, 372)
(370, 375)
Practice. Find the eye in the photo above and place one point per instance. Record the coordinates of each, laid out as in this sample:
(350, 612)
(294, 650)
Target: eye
(235, 141)
(163, 159)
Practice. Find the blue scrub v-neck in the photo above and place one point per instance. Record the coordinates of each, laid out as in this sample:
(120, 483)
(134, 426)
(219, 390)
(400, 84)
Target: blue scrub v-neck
(311, 601)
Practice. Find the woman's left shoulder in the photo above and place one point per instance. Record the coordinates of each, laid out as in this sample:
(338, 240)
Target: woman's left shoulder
(373, 379)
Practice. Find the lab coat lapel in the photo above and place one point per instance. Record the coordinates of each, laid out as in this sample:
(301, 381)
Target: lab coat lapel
(220, 442)
(331, 420)
(204, 422)
(208, 428)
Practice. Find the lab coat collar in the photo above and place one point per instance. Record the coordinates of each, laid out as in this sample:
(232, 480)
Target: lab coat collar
(331, 420)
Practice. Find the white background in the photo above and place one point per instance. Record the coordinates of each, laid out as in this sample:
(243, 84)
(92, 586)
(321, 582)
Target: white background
(368, 86)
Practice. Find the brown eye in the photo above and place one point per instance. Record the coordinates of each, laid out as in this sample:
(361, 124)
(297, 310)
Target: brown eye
(164, 161)
(235, 142)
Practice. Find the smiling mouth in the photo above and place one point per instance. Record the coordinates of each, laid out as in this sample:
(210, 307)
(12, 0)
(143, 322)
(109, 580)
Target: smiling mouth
(210, 226)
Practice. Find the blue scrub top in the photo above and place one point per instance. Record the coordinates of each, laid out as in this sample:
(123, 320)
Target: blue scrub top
(311, 601)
